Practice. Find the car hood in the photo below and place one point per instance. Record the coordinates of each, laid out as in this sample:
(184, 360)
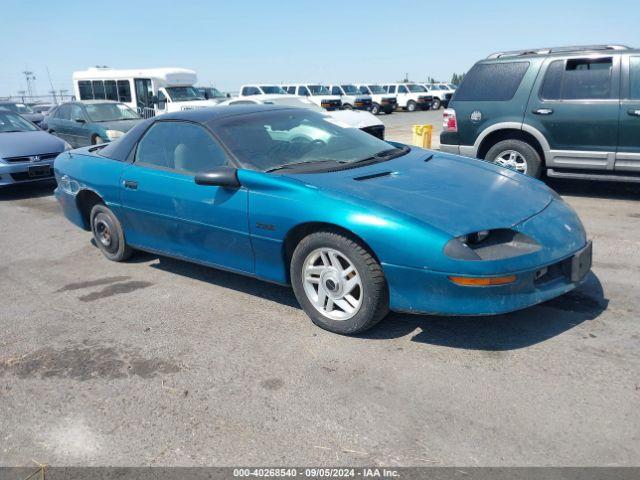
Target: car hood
(33, 117)
(453, 194)
(120, 125)
(22, 144)
(190, 105)
(355, 118)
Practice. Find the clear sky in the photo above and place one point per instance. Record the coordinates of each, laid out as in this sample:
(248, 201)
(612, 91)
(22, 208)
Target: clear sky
(239, 41)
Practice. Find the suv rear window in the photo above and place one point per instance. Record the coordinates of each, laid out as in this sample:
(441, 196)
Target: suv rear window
(492, 82)
(578, 79)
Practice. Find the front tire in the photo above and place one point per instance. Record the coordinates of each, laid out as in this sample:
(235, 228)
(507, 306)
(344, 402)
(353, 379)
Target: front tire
(517, 155)
(375, 109)
(338, 283)
(436, 104)
(347, 106)
(108, 234)
(411, 106)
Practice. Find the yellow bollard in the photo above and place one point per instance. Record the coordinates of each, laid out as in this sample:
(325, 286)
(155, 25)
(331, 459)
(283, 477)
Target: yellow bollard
(422, 135)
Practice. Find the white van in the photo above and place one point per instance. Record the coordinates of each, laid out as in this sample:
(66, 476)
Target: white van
(260, 89)
(150, 91)
(351, 97)
(318, 94)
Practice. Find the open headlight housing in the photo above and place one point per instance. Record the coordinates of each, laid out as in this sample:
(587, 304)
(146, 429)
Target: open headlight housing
(495, 244)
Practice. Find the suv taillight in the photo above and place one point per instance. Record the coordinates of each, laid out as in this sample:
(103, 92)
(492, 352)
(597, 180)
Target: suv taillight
(449, 120)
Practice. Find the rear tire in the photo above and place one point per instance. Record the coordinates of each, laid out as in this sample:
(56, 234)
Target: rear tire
(338, 283)
(375, 108)
(108, 234)
(517, 155)
(436, 104)
(347, 106)
(411, 106)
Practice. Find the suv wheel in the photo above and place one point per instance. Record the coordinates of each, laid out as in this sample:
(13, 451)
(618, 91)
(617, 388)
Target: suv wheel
(375, 108)
(435, 104)
(338, 283)
(411, 106)
(516, 155)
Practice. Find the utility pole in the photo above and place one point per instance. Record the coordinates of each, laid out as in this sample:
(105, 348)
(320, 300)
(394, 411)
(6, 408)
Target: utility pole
(30, 77)
(53, 90)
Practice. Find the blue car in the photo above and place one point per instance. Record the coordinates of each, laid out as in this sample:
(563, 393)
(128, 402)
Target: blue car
(356, 225)
(91, 122)
(26, 152)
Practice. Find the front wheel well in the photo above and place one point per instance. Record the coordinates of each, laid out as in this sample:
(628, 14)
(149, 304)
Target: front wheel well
(86, 200)
(297, 233)
(509, 134)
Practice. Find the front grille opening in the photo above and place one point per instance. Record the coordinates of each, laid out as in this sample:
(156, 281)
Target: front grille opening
(553, 272)
(28, 159)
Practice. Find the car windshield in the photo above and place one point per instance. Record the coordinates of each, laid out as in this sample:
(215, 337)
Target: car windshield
(10, 122)
(272, 90)
(17, 107)
(110, 112)
(413, 88)
(318, 90)
(183, 94)
(350, 89)
(269, 140)
(376, 89)
(212, 92)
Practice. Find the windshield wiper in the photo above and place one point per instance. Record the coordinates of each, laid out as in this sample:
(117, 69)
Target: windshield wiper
(285, 166)
(385, 155)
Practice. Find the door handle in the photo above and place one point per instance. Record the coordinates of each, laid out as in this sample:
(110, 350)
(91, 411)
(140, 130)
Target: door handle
(130, 184)
(542, 111)
(634, 112)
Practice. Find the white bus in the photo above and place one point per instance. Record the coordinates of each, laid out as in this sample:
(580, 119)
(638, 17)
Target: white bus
(149, 91)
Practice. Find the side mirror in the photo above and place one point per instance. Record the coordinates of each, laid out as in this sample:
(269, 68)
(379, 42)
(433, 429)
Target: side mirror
(228, 95)
(154, 99)
(225, 177)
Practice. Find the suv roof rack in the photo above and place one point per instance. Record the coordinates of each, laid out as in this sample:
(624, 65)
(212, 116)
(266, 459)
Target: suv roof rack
(545, 51)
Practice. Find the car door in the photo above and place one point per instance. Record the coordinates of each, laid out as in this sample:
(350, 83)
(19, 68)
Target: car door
(78, 128)
(167, 212)
(575, 105)
(628, 154)
(61, 123)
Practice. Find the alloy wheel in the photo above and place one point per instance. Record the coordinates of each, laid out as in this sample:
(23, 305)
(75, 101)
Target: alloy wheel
(512, 159)
(332, 284)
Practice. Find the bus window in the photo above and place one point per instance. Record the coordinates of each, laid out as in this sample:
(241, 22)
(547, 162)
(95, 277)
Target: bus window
(86, 92)
(124, 91)
(110, 90)
(98, 90)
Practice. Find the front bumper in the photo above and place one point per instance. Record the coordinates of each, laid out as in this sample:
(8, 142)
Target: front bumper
(455, 149)
(423, 291)
(12, 173)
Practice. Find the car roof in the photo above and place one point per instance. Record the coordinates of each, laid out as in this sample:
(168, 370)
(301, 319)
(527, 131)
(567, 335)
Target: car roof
(562, 51)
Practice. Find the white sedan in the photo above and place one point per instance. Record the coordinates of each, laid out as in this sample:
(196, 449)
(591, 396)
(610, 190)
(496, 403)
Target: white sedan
(365, 121)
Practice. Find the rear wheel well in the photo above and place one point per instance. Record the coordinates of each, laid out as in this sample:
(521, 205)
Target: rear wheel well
(297, 233)
(509, 134)
(86, 200)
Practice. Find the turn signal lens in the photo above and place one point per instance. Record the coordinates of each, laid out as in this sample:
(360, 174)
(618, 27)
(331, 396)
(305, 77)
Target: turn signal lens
(483, 281)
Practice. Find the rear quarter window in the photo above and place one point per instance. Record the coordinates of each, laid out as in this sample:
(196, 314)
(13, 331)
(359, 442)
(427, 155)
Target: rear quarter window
(492, 82)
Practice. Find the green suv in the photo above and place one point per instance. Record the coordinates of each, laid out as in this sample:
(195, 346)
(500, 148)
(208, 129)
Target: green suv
(572, 111)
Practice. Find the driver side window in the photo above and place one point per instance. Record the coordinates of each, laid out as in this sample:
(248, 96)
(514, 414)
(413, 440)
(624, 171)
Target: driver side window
(180, 146)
